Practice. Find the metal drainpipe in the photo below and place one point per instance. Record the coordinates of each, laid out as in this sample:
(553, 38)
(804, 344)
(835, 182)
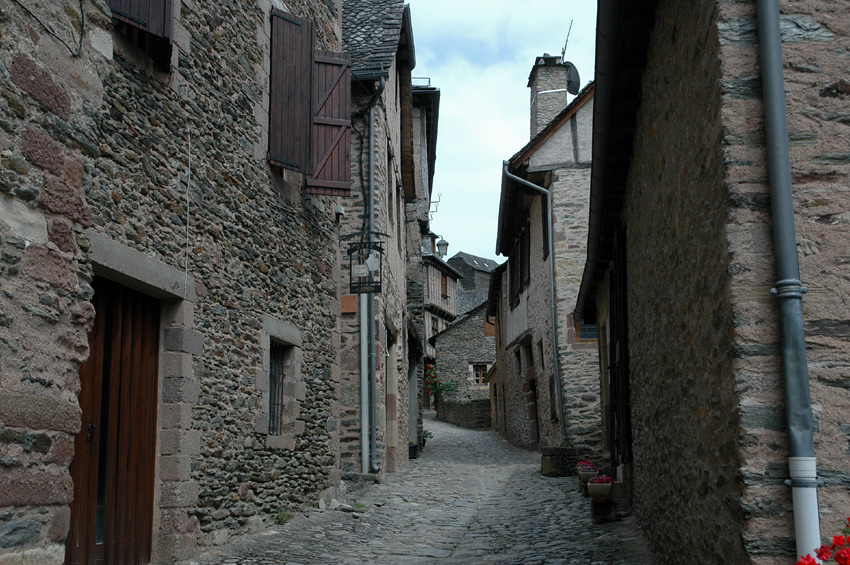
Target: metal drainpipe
(789, 289)
(550, 246)
(370, 310)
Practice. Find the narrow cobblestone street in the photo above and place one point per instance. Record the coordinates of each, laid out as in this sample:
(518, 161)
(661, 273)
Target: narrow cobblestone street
(469, 498)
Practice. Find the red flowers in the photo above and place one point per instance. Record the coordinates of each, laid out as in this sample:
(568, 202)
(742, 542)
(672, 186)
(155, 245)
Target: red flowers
(840, 545)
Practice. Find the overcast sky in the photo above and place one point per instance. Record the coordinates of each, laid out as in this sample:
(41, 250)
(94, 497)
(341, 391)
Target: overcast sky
(479, 54)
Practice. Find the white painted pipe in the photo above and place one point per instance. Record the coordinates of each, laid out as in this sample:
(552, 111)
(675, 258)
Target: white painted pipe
(804, 492)
(364, 385)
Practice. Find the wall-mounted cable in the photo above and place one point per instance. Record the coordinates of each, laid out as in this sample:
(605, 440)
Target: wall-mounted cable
(79, 49)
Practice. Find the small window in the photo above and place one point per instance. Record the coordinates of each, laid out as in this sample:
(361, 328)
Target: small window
(280, 356)
(444, 285)
(479, 373)
(586, 333)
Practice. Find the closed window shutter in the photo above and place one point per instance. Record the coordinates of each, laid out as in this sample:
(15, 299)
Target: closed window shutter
(331, 144)
(289, 92)
(152, 16)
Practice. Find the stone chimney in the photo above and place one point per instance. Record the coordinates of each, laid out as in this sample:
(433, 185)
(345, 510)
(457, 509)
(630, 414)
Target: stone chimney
(549, 85)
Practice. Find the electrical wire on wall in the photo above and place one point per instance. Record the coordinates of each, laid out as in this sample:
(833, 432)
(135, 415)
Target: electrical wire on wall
(184, 89)
(74, 52)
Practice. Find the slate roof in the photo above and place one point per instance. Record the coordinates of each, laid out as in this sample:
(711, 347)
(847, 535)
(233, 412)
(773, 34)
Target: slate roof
(476, 262)
(469, 299)
(441, 264)
(371, 30)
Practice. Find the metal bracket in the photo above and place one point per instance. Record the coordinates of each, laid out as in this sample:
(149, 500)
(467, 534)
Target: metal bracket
(804, 483)
(789, 288)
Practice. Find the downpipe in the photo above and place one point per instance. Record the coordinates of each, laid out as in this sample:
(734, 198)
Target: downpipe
(370, 309)
(550, 246)
(789, 289)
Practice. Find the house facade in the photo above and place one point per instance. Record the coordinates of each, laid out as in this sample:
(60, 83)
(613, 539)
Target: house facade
(465, 353)
(170, 273)
(393, 146)
(424, 127)
(729, 390)
(538, 399)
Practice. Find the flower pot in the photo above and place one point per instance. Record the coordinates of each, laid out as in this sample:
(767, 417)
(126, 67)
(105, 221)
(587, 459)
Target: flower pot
(599, 490)
(584, 475)
(413, 451)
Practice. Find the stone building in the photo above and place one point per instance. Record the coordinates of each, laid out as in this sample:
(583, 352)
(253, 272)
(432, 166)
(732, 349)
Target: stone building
(465, 352)
(525, 382)
(695, 218)
(475, 279)
(170, 284)
(440, 296)
(425, 120)
(378, 339)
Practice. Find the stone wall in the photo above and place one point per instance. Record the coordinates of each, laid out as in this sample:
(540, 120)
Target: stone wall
(579, 360)
(391, 303)
(814, 34)
(683, 399)
(458, 348)
(706, 381)
(464, 412)
(112, 167)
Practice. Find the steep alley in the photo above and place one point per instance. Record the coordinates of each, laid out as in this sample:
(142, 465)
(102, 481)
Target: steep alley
(469, 498)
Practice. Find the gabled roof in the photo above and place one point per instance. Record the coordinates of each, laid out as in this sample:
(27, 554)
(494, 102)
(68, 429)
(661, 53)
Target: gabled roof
(476, 262)
(623, 32)
(373, 31)
(582, 98)
(438, 262)
(469, 299)
(512, 208)
(495, 289)
(459, 320)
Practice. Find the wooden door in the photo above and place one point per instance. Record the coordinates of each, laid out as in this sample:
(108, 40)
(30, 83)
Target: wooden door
(115, 450)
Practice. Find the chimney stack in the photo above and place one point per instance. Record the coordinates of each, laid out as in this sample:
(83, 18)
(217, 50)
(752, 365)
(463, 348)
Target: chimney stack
(550, 81)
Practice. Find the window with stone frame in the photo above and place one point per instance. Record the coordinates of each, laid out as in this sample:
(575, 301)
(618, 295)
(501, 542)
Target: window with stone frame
(479, 373)
(148, 25)
(280, 359)
(280, 383)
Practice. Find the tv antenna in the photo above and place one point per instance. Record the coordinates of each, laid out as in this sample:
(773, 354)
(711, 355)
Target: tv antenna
(564, 50)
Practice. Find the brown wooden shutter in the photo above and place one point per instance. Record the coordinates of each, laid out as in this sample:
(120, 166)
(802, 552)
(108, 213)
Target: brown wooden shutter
(152, 16)
(331, 124)
(289, 92)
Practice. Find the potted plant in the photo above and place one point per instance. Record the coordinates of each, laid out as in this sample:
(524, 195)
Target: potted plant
(839, 550)
(586, 470)
(412, 450)
(600, 486)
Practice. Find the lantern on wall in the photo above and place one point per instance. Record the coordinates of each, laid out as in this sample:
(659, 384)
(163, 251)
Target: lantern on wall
(365, 260)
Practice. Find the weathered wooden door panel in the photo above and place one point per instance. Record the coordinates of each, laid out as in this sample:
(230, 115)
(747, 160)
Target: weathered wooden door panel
(115, 452)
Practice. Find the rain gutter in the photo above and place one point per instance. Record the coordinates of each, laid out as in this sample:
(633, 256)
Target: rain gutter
(789, 289)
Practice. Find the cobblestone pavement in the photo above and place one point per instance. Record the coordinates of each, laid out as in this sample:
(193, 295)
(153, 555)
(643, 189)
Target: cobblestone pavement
(469, 498)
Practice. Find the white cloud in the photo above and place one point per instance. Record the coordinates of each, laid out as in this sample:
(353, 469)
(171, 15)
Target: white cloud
(479, 54)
